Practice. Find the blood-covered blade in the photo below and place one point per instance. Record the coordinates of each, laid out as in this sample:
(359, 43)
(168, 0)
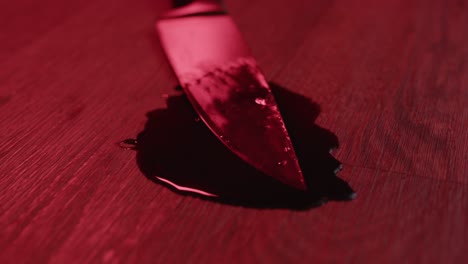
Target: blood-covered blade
(226, 87)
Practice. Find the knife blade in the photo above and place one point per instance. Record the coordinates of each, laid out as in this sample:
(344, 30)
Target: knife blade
(226, 87)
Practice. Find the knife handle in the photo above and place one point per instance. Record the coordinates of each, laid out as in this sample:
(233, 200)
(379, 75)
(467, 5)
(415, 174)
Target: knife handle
(179, 3)
(183, 8)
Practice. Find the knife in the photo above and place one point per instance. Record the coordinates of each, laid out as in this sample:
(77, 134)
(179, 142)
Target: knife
(226, 87)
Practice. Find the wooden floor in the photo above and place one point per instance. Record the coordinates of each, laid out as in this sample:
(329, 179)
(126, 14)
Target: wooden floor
(388, 78)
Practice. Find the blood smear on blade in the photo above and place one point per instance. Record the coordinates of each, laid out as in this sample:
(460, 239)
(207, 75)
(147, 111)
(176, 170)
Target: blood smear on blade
(260, 101)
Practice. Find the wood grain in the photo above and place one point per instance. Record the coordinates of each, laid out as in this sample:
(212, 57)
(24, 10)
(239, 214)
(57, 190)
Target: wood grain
(390, 78)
